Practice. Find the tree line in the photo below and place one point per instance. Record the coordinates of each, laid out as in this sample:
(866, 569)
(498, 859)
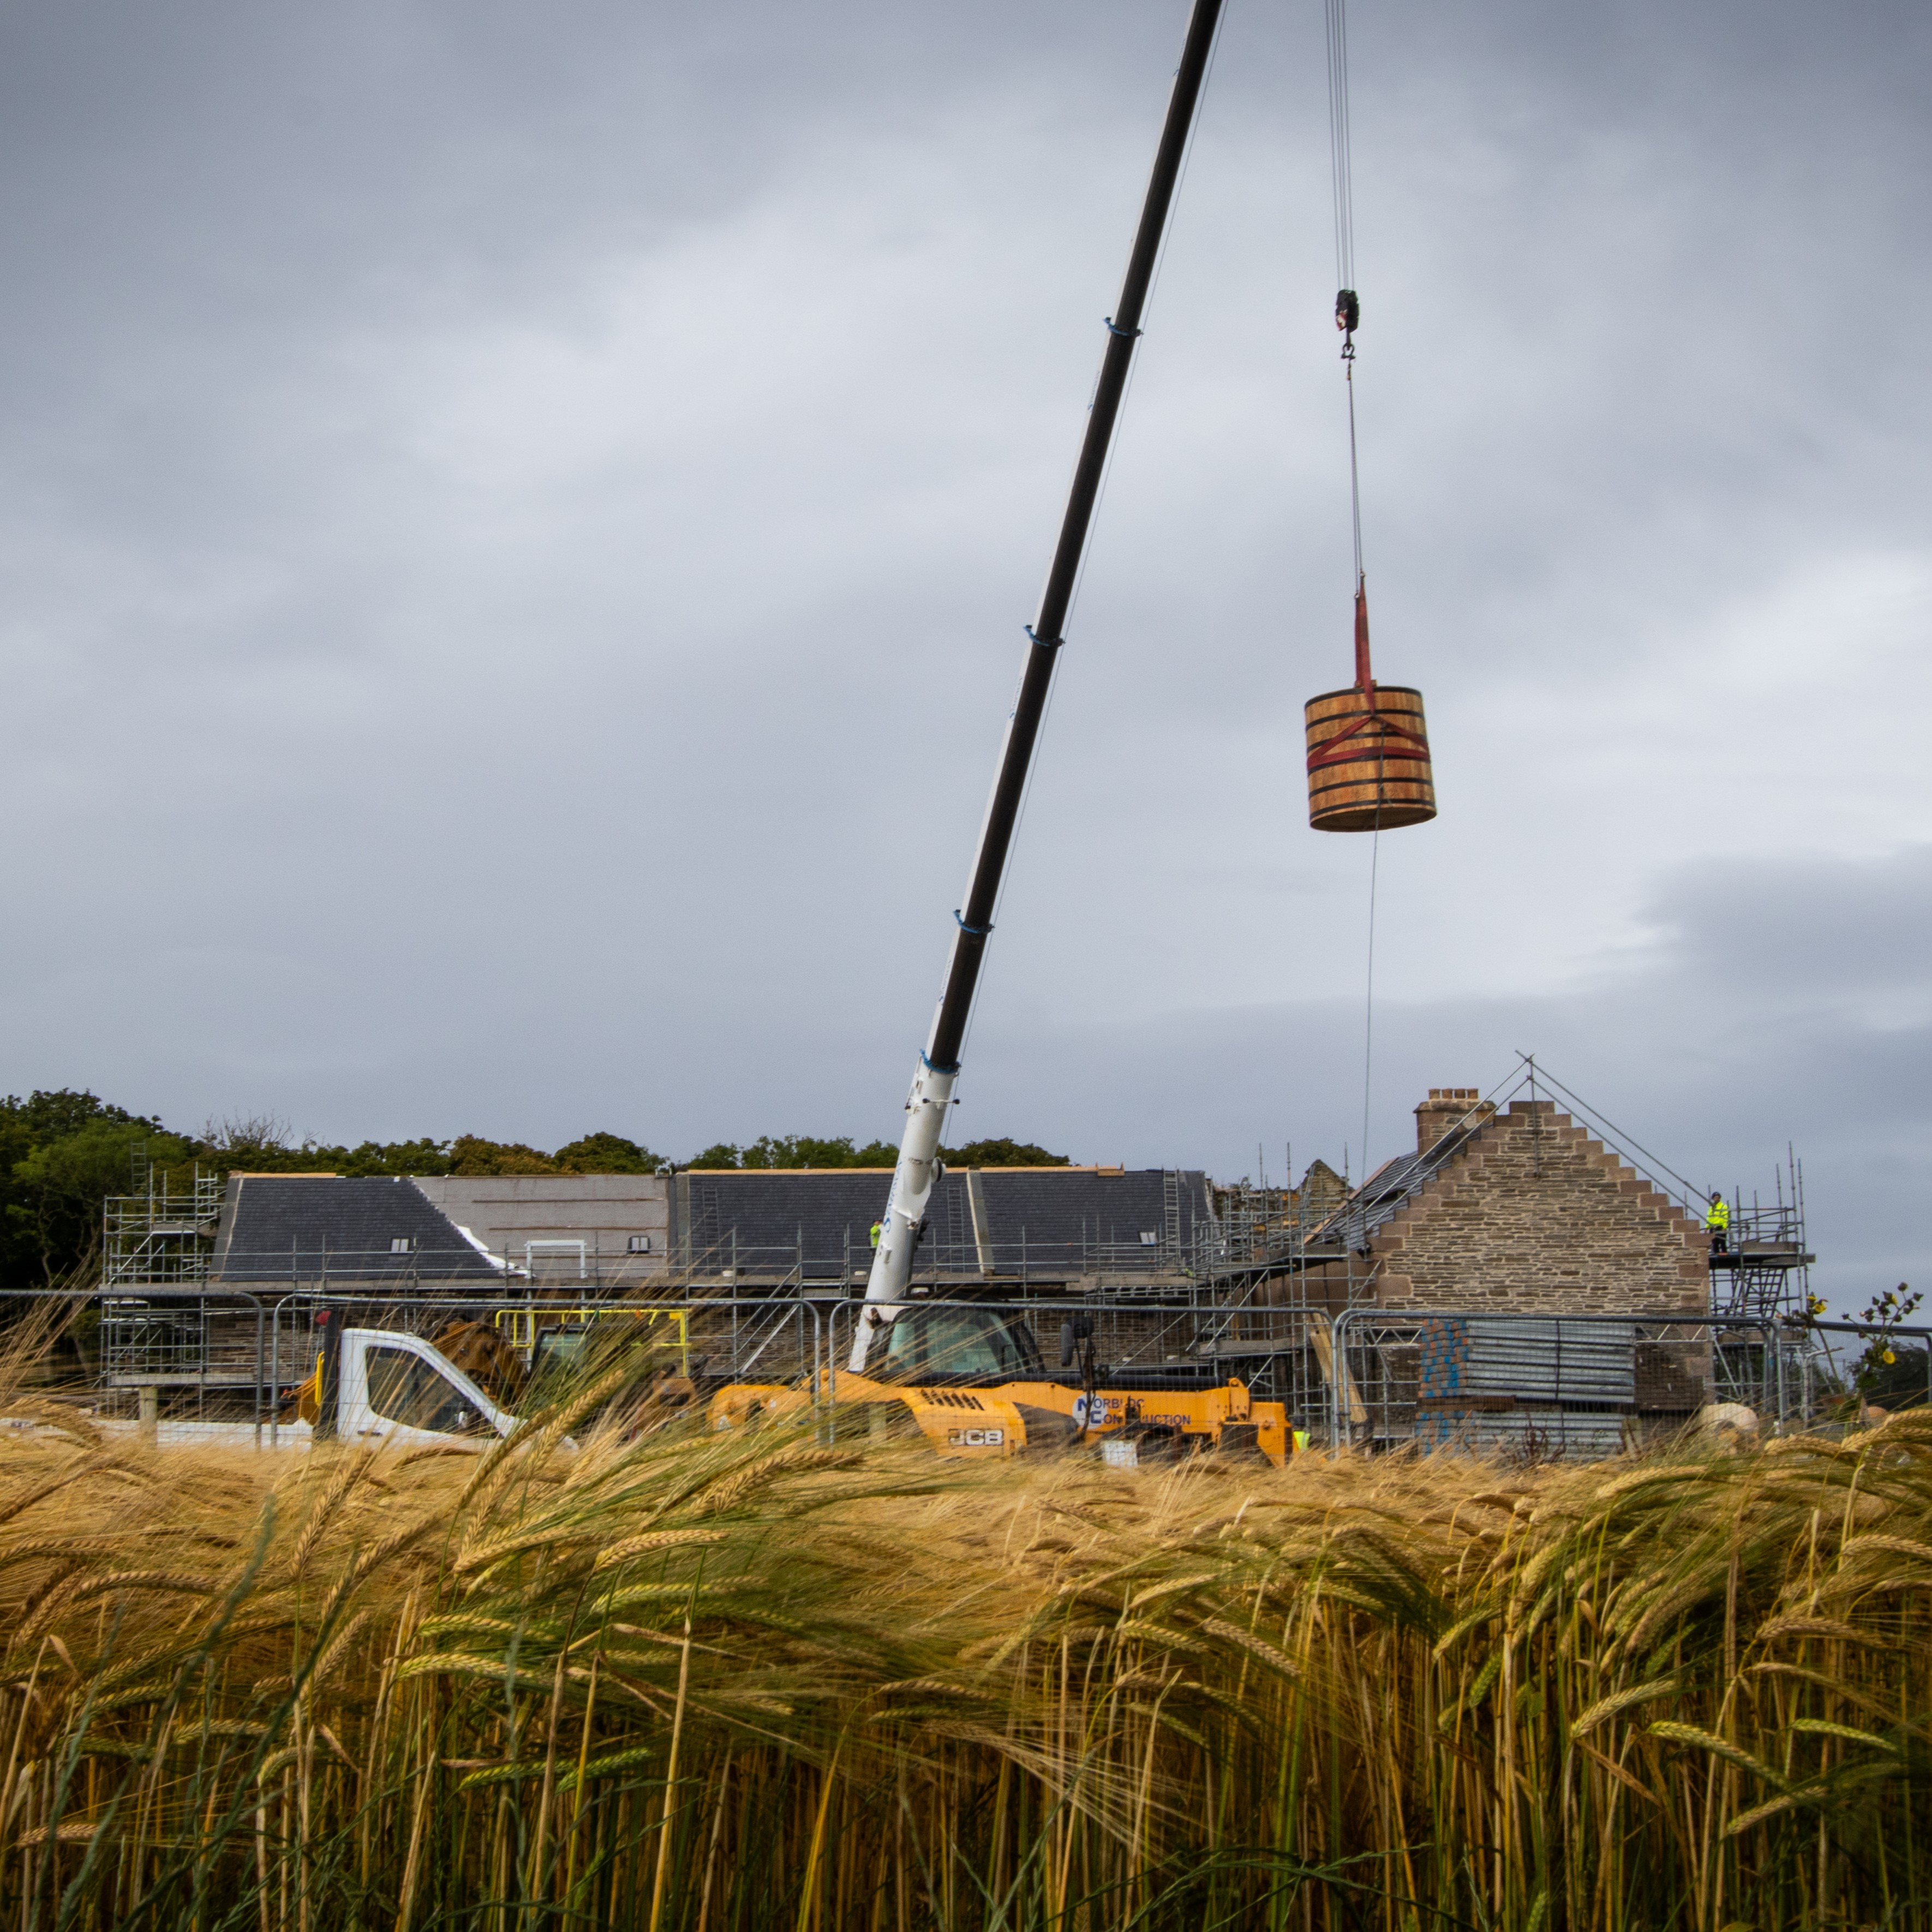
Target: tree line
(63, 1154)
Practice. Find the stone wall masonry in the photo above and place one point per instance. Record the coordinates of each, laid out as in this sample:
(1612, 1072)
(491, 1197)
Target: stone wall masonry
(1534, 1216)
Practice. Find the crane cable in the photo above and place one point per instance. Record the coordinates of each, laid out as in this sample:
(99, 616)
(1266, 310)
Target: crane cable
(1348, 319)
(1347, 307)
(1348, 304)
(1338, 142)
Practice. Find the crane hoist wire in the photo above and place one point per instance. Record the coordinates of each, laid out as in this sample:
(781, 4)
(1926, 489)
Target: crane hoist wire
(1341, 174)
(1348, 319)
(1368, 767)
(1348, 304)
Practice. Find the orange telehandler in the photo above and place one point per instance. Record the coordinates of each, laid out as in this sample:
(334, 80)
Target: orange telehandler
(970, 1379)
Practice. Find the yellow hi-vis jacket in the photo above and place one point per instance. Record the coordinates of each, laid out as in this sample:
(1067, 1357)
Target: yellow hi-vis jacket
(1719, 1216)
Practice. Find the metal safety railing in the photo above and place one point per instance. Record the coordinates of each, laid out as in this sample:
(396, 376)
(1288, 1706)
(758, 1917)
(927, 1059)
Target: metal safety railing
(574, 1264)
(103, 1353)
(1367, 1377)
(1582, 1383)
(720, 1338)
(524, 1328)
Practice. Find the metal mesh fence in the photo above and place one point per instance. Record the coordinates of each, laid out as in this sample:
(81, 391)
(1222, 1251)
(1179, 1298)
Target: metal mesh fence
(179, 1364)
(1577, 1384)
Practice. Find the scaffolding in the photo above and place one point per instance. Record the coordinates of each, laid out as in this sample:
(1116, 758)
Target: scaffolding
(155, 1243)
(161, 1235)
(1764, 1270)
(1252, 1287)
(1302, 1255)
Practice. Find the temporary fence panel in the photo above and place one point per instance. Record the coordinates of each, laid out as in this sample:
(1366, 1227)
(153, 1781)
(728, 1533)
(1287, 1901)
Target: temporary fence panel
(1574, 1385)
(1538, 1431)
(1527, 1359)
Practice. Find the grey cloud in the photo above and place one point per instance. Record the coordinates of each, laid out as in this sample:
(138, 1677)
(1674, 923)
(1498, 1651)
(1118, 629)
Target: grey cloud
(514, 532)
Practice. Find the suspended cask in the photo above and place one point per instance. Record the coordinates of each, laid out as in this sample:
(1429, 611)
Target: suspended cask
(1368, 760)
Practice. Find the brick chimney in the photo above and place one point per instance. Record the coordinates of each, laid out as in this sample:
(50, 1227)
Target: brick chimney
(1445, 1109)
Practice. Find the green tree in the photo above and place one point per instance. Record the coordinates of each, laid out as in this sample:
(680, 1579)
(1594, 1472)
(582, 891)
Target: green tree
(607, 1154)
(1002, 1154)
(373, 1159)
(61, 1153)
(262, 1144)
(471, 1154)
(52, 1116)
(810, 1150)
(786, 1150)
(59, 1188)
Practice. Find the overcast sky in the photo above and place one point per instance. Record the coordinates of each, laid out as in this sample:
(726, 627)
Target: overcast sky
(515, 524)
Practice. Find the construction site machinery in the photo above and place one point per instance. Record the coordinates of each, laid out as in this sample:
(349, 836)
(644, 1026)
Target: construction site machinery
(969, 1380)
(937, 1072)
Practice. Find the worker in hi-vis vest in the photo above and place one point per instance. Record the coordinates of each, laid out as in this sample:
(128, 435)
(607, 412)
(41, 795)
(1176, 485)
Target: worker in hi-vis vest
(877, 1227)
(1718, 1225)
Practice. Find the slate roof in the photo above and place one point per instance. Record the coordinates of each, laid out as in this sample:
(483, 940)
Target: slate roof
(827, 1211)
(1057, 1215)
(1387, 1191)
(1052, 1217)
(279, 1229)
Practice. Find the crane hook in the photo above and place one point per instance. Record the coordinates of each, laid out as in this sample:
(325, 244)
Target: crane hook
(1348, 319)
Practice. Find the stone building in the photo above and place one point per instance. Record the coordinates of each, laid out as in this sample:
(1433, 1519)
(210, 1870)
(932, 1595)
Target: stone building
(1517, 1212)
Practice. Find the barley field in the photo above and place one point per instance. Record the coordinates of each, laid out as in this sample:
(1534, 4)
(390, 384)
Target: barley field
(774, 1682)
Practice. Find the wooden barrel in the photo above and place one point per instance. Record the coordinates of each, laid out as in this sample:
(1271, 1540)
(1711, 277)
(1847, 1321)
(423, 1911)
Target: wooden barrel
(1368, 760)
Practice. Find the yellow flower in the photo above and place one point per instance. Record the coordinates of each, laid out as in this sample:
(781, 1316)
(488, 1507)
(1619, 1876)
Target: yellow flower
(1887, 1356)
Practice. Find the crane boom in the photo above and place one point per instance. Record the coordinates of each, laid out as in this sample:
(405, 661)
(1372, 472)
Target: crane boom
(938, 1070)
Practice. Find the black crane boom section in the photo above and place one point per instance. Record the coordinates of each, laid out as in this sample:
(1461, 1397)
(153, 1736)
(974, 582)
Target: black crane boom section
(976, 917)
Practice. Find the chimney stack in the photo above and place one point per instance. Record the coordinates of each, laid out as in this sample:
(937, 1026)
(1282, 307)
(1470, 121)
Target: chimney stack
(1447, 1108)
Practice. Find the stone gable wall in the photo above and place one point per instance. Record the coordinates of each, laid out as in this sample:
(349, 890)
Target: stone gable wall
(1534, 1216)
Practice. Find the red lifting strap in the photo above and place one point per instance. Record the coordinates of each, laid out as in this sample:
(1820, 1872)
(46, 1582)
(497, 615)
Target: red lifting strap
(1337, 751)
(1362, 754)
